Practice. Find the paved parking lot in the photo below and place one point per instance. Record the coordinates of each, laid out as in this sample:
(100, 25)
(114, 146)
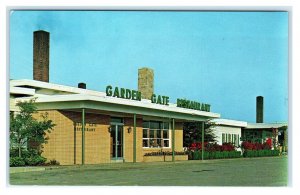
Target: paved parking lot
(267, 171)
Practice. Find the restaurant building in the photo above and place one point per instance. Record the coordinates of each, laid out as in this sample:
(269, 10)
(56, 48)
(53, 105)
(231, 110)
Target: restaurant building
(93, 127)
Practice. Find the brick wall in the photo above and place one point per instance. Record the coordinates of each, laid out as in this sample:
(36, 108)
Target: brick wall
(65, 141)
(128, 156)
(178, 137)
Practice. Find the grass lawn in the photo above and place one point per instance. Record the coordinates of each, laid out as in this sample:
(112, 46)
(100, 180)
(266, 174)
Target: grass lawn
(267, 171)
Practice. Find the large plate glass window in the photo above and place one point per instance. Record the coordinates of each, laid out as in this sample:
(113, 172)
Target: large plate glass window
(156, 134)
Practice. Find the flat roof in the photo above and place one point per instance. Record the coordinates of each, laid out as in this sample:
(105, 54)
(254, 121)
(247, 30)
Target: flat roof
(26, 83)
(83, 98)
(22, 91)
(229, 122)
(266, 125)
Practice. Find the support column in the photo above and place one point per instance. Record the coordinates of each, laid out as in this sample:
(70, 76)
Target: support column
(276, 138)
(134, 138)
(202, 129)
(83, 135)
(74, 143)
(173, 140)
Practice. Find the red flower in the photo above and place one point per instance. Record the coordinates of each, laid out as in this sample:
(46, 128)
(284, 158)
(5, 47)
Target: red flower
(269, 142)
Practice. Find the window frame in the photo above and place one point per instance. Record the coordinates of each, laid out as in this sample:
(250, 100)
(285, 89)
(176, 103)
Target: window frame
(161, 143)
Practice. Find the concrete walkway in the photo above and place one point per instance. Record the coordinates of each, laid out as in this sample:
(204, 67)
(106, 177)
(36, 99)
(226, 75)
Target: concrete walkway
(25, 169)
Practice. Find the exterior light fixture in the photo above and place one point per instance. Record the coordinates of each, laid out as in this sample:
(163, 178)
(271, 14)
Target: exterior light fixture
(109, 129)
(129, 129)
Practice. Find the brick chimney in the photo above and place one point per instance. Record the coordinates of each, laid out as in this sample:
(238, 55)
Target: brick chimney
(259, 109)
(145, 82)
(41, 56)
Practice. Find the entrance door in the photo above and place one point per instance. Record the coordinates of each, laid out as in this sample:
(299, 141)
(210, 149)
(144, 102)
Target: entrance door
(116, 135)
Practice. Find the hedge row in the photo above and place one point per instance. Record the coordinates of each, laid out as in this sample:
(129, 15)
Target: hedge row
(260, 153)
(29, 161)
(197, 155)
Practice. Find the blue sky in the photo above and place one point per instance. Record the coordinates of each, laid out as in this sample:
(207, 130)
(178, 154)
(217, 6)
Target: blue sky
(225, 59)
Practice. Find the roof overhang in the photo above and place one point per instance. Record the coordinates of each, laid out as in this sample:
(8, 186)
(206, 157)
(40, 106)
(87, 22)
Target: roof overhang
(21, 91)
(111, 104)
(227, 122)
(266, 125)
(54, 87)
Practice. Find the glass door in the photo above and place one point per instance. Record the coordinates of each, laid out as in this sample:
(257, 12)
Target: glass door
(116, 135)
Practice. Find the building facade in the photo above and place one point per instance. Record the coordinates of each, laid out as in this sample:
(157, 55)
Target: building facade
(96, 127)
(229, 131)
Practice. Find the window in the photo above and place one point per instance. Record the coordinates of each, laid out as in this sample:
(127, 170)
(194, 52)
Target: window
(223, 138)
(236, 140)
(230, 138)
(155, 134)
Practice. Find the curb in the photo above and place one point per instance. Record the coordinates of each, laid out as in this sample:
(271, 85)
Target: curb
(25, 169)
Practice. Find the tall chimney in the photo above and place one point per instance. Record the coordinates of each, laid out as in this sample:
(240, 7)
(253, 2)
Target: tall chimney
(145, 82)
(82, 85)
(41, 56)
(259, 109)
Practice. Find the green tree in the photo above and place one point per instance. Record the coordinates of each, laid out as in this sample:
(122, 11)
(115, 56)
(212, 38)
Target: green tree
(192, 132)
(25, 129)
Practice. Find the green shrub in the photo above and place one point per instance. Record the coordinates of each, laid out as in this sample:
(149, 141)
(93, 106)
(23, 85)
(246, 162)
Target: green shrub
(206, 155)
(197, 155)
(275, 152)
(260, 153)
(13, 152)
(54, 162)
(35, 160)
(16, 162)
(239, 154)
(218, 154)
(212, 155)
(225, 154)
